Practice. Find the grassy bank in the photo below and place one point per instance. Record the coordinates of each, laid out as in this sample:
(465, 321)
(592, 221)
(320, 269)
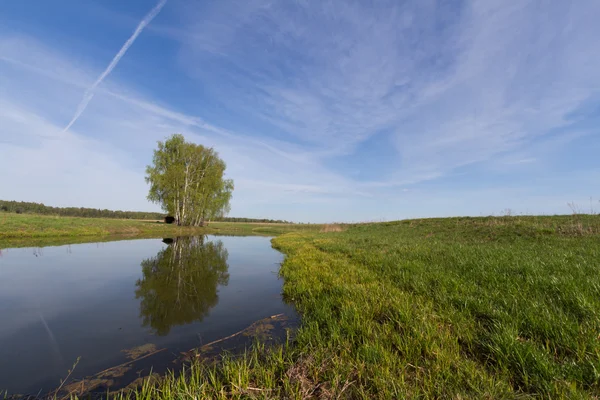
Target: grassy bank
(443, 308)
(17, 230)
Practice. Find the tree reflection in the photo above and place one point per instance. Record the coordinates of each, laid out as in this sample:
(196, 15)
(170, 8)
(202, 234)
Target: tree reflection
(179, 285)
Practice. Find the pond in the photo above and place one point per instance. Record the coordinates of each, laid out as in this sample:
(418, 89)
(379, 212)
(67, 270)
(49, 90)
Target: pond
(97, 301)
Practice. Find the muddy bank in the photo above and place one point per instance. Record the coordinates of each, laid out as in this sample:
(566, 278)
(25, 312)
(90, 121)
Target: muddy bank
(149, 362)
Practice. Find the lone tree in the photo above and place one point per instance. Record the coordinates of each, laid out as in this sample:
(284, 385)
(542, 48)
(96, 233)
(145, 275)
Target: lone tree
(187, 180)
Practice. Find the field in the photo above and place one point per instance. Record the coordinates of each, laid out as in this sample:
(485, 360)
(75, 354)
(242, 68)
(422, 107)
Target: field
(18, 230)
(457, 308)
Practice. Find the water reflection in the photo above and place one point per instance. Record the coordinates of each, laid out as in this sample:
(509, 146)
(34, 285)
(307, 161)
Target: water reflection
(179, 285)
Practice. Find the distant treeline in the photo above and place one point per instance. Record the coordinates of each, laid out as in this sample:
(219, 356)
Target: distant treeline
(24, 207)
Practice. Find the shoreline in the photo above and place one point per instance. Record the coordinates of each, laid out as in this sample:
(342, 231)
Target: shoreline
(32, 230)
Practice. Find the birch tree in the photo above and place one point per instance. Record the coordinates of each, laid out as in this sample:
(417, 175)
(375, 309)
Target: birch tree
(180, 285)
(188, 181)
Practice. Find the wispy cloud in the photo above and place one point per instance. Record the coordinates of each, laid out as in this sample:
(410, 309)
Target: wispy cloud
(451, 83)
(89, 93)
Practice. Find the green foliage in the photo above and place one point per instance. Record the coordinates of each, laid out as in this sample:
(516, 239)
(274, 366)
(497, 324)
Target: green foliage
(179, 285)
(23, 207)
(187, 180)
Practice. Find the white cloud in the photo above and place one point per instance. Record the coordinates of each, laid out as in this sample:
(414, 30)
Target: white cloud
(326, 73)
(457, 83)
(68, 170)
(520, 74)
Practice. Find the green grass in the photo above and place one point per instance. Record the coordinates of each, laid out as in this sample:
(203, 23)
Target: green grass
(457, 308)
(28, 230)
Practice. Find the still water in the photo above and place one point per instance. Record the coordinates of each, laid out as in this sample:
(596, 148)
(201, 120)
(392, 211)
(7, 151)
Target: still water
(93, 301)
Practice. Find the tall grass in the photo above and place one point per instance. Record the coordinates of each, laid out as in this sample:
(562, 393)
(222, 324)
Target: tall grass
(475, 307)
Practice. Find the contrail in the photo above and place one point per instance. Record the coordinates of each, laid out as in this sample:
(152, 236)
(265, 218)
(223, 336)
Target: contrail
(89, 93)
(53, 341)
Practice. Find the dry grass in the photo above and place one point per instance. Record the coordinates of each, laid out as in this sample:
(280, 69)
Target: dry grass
(332, 228)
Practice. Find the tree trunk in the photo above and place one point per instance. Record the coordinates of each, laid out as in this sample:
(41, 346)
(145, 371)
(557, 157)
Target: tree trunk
(185, 190)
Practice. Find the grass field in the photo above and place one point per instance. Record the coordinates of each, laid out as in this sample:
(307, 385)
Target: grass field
(457, 308)
(18, 230)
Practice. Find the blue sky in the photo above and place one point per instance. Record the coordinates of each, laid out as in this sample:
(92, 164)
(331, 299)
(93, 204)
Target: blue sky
(323, 110)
